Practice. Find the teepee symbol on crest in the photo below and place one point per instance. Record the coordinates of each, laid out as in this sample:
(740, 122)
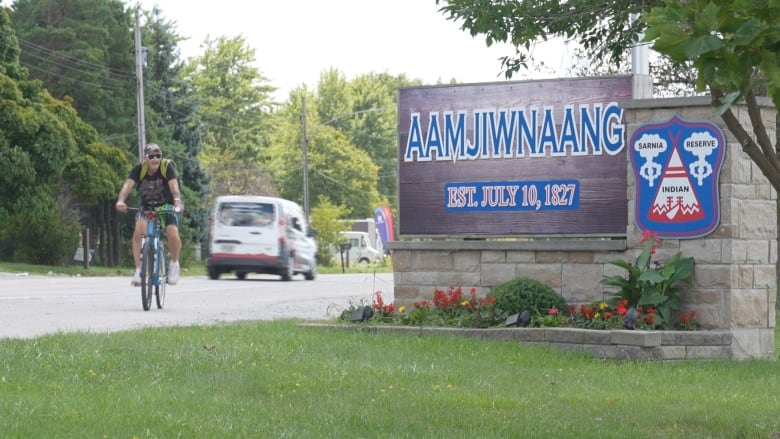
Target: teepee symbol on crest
(675, 200)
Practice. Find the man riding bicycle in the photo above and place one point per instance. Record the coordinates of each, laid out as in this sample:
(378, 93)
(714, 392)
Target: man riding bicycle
(156, 187)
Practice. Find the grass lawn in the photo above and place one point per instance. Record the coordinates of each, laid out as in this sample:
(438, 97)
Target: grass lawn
(281, 380)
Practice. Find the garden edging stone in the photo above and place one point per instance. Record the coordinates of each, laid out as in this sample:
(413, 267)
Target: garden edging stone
(609, 344)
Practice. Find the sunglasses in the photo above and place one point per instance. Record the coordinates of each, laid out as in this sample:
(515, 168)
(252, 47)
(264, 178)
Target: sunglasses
(154, 156)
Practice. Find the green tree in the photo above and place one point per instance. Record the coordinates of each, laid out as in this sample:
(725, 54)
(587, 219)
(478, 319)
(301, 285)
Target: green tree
(82, 49)
(604, 29)
(51, 160)
(734, 48)
(236, 112)
(364, 109)
(374, 125)
(325, 220)
(235, 98)
(337, 168)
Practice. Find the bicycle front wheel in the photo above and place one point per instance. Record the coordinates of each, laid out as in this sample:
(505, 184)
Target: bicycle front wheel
(147, 274)
(159, 289)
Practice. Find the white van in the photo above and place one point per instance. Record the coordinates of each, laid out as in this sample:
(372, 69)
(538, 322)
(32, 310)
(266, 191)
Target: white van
(360, 249)
(257, 234)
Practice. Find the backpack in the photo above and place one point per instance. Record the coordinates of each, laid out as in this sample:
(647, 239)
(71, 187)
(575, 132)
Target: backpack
(163, 169)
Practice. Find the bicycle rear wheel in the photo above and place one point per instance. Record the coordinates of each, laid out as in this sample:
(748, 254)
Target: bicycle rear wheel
(159, 289)
(147, 274)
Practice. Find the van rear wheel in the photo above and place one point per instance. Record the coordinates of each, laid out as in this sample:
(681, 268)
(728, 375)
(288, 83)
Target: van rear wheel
(241, 275)
(213, 273)
(288, 272)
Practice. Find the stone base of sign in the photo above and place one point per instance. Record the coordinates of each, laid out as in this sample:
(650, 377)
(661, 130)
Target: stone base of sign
(616, 345)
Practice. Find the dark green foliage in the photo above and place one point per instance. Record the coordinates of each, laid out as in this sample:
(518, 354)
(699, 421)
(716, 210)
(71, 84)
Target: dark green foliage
(523, 294)
(82, 50)
(604, 29)
(32, 226)
(9, 49)
(53, 162)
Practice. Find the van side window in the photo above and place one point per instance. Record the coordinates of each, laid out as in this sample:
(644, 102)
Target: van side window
(297, 224)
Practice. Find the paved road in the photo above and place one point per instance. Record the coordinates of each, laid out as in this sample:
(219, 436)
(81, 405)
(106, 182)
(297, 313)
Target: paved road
(35, 305)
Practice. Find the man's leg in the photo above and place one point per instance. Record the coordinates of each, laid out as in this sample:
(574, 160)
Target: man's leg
(174, 242)
(174, 247)
(140, 229)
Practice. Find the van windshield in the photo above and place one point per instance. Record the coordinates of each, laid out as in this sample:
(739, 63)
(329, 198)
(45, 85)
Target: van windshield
(246, 214)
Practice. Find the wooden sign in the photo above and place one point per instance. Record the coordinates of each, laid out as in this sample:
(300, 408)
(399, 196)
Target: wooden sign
(514, 158)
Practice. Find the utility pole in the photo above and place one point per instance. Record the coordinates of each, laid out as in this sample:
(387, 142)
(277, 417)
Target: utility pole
(139, 76)
(640, 67)
(305, 160)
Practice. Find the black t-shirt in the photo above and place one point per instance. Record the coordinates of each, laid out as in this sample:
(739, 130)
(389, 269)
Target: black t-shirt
(154, 190)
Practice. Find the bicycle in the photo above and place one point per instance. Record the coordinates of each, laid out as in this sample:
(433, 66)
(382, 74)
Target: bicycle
(154, 269)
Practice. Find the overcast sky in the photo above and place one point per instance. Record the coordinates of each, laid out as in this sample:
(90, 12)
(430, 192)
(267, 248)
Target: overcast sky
(296, 40)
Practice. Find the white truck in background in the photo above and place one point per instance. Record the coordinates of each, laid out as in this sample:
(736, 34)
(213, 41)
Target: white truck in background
(367, 225)
(360, 249)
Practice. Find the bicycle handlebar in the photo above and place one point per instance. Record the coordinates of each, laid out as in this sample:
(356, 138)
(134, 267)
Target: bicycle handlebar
(155, 209)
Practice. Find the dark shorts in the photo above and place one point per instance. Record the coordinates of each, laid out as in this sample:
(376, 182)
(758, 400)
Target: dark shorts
(168, 217)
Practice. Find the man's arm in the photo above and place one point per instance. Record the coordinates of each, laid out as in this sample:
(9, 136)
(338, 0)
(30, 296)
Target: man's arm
(173, 185)
(123, 193)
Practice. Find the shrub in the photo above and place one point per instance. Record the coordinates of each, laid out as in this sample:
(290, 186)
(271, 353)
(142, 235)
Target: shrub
(523, 294)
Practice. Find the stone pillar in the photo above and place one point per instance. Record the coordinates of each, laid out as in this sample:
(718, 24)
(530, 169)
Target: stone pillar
(734, 282)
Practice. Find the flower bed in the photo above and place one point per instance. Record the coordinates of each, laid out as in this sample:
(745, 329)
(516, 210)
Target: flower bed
(643, 319)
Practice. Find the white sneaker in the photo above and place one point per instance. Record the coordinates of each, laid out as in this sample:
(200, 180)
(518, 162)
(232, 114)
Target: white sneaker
(173, 273)
(136, 281)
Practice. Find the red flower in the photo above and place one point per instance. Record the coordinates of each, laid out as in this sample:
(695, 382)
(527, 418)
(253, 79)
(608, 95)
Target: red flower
(686, 318)
(648, 235)
(650, 316)
(588, 311)
(553, 312)
(378, 303)
(449, 300)
(620, 306)
(421, 304)
(488, 301)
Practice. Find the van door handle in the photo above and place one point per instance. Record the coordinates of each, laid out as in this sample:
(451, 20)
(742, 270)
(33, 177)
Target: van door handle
(255, 233)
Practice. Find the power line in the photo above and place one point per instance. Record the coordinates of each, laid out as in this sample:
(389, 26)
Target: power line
(48, 72)
(70, 62)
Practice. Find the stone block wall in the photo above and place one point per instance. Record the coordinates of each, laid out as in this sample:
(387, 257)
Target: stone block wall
(733, 285)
